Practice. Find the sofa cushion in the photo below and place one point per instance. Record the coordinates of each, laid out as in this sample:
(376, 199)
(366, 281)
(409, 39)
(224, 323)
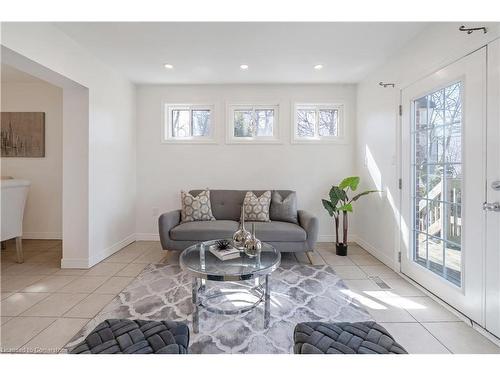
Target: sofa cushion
(284, 208)
(226, 204)
(277, 231)
(204, 230)
(196, 208)
(256, 208)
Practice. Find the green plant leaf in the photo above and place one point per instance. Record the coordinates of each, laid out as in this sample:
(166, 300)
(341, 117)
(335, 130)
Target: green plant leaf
(357, 196)
(346, 207)
(351, 182)
(328, 206)
(334, 199)
(337, 194)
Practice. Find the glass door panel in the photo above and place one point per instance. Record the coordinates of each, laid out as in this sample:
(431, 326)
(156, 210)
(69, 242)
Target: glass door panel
(437, 185)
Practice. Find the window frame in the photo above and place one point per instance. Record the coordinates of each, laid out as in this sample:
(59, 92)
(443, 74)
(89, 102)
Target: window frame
(166, 124)
(339, 139)
(231, 139)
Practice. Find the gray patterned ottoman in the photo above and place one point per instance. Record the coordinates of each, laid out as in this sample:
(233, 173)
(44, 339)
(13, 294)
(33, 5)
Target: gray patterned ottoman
(114, 336)
(344, 338)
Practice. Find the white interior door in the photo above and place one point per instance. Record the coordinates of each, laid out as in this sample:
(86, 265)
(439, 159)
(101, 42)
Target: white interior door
(492, 193)
(443, 183)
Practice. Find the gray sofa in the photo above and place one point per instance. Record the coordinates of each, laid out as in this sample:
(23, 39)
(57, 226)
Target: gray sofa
(226, 208)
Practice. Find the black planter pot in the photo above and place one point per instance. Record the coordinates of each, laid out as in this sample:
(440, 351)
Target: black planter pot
(341, 249)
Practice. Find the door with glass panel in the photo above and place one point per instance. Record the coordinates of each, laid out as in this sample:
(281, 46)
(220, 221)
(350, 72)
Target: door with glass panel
(443, 183)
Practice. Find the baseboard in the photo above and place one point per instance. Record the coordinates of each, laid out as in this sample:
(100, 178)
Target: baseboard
(388, 261)
(87, 263)
(42, 235)
(147, 237)
(112, 249)
(75, 263)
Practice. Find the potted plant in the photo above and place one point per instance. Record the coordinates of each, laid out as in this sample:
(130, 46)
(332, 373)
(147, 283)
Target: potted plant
(341, 203)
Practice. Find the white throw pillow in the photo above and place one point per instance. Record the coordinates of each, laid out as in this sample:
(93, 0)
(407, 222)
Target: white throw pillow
(257, 208)
(196, 208)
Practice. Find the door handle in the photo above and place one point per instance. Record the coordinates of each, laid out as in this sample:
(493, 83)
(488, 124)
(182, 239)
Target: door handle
(495, 206)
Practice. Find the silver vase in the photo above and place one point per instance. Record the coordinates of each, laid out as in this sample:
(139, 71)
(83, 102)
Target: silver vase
(253, 246)
(241, 235)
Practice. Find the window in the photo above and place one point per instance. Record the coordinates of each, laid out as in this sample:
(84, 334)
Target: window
(252, 123)
(318, 123)
(188, 123)
(437, 181)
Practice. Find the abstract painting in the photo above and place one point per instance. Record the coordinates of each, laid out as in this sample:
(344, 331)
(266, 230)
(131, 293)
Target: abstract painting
(23, 134)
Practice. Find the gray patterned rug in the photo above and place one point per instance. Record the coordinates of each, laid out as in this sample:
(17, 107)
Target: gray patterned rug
(299, 293)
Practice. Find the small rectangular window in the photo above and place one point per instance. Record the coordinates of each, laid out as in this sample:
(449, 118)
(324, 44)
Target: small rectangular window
(188, 123)
(252, 123)
(318, 123)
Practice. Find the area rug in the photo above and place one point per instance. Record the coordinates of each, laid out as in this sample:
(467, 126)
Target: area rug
(299, 293)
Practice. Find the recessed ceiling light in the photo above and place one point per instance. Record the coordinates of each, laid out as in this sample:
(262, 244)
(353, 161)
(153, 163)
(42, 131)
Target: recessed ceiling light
(244, 67)
(168, 66)
(318, 67)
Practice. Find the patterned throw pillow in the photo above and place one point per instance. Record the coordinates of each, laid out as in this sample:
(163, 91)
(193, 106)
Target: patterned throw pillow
(196, 208)
(257, 208)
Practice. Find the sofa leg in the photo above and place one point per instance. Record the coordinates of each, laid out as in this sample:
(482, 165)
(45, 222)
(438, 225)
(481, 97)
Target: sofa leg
(308, 254)
(19, 250)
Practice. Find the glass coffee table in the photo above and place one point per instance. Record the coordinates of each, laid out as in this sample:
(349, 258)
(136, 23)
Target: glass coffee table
(202, 265)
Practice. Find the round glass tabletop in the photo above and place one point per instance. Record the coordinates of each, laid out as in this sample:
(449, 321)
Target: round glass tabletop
(199, 261)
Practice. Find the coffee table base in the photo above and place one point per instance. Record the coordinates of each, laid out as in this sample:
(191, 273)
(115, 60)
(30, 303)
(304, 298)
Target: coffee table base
(261, 291)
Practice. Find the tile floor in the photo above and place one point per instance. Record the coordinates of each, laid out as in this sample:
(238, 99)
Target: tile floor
(43, 306)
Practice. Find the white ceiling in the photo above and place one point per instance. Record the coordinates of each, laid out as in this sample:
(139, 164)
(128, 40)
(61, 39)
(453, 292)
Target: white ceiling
(212, 52)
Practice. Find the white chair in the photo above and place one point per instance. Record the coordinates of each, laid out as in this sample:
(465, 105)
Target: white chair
(14, 195)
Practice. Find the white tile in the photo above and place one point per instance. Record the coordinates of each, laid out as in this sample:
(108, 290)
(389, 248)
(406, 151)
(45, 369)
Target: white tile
(55, 305)
(356, 249)
(349, 272)
(365, 260)
(315, 260)
(15, 283)
(390, 314)
(71, 272)
(131, 270)
(105, 269)
(19, 302)
(44, 269)
(382, 306)
(381, 270)
(3, 320)
(124, 256)
(427, 310)
(54, 337)
(415, 338)
(18, 269)
(4, 295)
(362, 285)
(18, 331)
(49, 284)
(90, 306)
(84, 284)
(336, 260)
(461, 339)
(403, 288)
(114, 285)
(152, 256)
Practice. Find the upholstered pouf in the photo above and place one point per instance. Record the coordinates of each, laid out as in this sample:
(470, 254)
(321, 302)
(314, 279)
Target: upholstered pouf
(344, 338)
(135, 337)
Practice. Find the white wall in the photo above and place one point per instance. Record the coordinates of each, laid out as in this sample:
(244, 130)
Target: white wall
(108, 181)
(43, 213)
(163, 170)
(377, 143)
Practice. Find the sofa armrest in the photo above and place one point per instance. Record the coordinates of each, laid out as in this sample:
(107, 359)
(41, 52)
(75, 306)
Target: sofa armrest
(166, 222)
(311, 226)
